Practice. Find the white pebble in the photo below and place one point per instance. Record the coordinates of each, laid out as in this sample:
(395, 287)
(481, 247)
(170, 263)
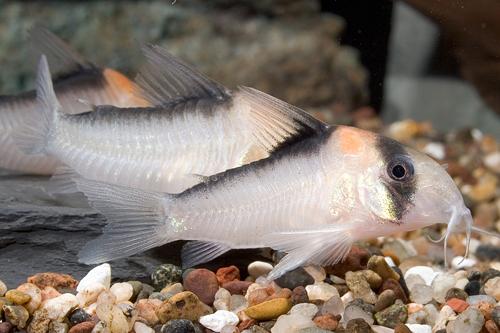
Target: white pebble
(461, 283)
(435, 149)
(89, 294)
(317, 272)
(337, 280)
(142, 328)
(259, 268)
(122, 291)
(417, 328)
(492, 161)
(381, 329)
(3, 288)
(390, 262)
(441, 284)
(347, 298)
(306, 309)
(100, 274)
(461, 262)
(321, 291)
(291, 323)
(59, 306)
(446, 314)
(218, 320)
(426, 273)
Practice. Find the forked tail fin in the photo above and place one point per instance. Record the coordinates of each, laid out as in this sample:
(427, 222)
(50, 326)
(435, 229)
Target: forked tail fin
(136, 221)
(34, 136)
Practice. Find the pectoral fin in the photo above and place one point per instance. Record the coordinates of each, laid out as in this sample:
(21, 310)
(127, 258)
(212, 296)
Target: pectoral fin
(197, 252)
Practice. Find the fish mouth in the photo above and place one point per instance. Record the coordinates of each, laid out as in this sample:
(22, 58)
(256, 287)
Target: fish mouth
(458, 214)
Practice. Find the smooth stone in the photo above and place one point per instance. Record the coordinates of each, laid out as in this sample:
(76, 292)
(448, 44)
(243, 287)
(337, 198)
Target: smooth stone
(222, 299)
(360, 287)
(269, 309)
(492, 287)
(165, 274)
(333, 306)
(57, 327)
(216, 321)
(356, 260)
(321, 291)
(89, 294)
(469, 321)
(159, 296)
(358, 325)
(172, 289)
(237, 303)
(57, 281)
(385, 299)
(356, 312)
(456, 293)
(123, 291)
(237, 287)
(39, 322)
(227, 274)
(457, 305)
(299, 295)
(136, 287)
(490, 273)
(119, 322)
(100, 274)
(294, 278)
(393, 315)
(145, 292)
(178, 326)
(379, 265)
(417, 328)
(461, 262)
(184, 305)
(461, 283)
(78, 316)
(426, 273)
(327, 322)
(472, 300)
(292, 323)
(413, 280)
(6, 327)
(36, 296)
(203, 283)
(473, 288)
(259, 268)
(373, 279)
(421, 293)
(142, 328)
(305, 309)
(441, 284)
(84, 327)
(146, 311)
(17, 297)
(3, 288)
(17, 315)
(59, 307)
(317, 272)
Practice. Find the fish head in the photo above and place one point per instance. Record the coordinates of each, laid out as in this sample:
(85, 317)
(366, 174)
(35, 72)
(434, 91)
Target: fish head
(402, 189)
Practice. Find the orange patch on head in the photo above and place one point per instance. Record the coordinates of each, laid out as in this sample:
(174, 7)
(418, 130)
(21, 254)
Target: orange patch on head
(353, 140)
(125, 87)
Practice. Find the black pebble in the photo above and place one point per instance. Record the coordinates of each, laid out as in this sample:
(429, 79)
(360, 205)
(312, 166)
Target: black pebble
(472, 288)
(489, 274)
(488, 252)
(474, 276)
(78, 316)
(179, 326)
(295, 278)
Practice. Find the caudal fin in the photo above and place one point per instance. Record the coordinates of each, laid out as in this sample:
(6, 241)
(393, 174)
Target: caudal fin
(136, 221)
(34, 135)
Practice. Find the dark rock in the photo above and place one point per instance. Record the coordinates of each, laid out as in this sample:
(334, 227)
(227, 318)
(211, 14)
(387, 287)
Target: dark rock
(145, 292)
(385, 299)
(487, 252)
(178, 326)
(5, 327)
(401, 328)
(157, 295)
(293, 279)
(474, 276)
(396, 288)
(456, 293)
(402, 281)
(164, 275)
(299, 295)
(137, 288)
(393, 315)
(358, 326)
(489, 274)
(78, 316)
(203, 283)
(368, 308)
(356, 260)
(473, 288)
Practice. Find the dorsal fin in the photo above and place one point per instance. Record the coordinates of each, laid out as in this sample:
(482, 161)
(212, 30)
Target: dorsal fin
(277, 123)
(165, 79)
(63, 60)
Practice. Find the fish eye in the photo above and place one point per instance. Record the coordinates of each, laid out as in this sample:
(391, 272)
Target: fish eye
(400, 169)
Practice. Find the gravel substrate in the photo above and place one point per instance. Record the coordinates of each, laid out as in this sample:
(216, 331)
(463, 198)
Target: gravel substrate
(396, 284)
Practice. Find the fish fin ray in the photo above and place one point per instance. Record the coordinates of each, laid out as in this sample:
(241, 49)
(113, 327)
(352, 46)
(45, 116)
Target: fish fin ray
(62, 181)
(320, 247)
(198, 252)
(63, 59)
(277, 123)
(34, 135)
(165, 78)
(136, 221)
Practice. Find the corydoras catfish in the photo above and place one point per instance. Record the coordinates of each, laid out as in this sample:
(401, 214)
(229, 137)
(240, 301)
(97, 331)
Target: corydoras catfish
(312, 198)
(197, 128)
(76, 79)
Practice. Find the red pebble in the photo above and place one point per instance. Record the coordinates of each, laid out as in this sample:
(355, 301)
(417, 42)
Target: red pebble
(226, 274)
(356, 260)
(457, 305)
(237, 287)
(327, 322)
(203, 283)
(55, 280)
(85, 327)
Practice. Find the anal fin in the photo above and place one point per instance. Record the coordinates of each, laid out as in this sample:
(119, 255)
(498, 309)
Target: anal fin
(197, 252)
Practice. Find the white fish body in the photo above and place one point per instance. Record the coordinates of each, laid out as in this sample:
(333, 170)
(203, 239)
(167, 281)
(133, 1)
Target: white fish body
(79, 80)
(312, 199)
(197, 129)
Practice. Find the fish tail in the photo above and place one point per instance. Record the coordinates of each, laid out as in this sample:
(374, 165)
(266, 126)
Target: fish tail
(34, 135)
(136, 221)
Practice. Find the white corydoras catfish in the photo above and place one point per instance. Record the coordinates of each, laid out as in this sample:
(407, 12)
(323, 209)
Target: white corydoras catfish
(312, 199)
(76, 79)
(197, 128)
